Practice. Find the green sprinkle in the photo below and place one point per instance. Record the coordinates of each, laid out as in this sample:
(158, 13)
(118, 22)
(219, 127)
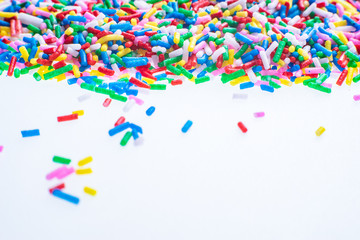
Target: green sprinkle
(58, 72)
(126, 138)
(17, 73)
(61, 160)
(37, 76)
(157, 87)
(319, 87)
(228, 77)
(34, 29)
(87, 86)
(202, 79)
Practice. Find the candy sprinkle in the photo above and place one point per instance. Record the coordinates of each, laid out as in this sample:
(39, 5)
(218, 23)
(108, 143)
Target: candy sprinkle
(30, 133)
(90, 191)
(320, 131)
(67, 197)
(61, 160)
(186, 127)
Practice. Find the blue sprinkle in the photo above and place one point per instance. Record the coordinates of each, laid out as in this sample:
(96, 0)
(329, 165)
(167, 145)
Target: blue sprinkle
(65, 196)
(119, 128)
(76, 18)
(30, 133)
(246, 85)
(150, 111)
(266, 88)
(186, 127)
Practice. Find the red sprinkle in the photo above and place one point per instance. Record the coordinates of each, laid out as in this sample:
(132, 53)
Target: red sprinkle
(121, 120)
(60, 186)
(242, 127)
(67, 117)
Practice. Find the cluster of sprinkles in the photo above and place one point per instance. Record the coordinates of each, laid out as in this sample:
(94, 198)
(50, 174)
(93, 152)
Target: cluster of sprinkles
(120, 48)
(64, 171)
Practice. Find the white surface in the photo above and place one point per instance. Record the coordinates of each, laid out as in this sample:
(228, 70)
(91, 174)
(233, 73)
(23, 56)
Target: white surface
(278, 181)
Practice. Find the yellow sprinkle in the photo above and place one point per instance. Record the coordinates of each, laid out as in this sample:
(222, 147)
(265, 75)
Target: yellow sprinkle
(343, 38)
(69, 31)
(148, 80)
(226, 13)
(76, 71)
(285, 82)
(182, 62)
(84, 171)
(176, 38)
(33, 61)
(121, 13)
(281, 63)
(218, 33)
(202, 14)
(292, 48)
(151, 12)
(155, 24)
(79, 113)
(72, 13)
(95, 58)
(147, 25)
(231, 56)
(239, 80)
(87, 159)
(340, 23)
(60, 77)
(8, 14)
(301, 79)
(96, 73)
(320, 131)
(214, 10)
(242, 14)
(110, 37)
(133, 22)
(90, 191)
(192, 44)
(123, 52)
(104, 47)
(24, 53)
(200, 28)
(235, 9)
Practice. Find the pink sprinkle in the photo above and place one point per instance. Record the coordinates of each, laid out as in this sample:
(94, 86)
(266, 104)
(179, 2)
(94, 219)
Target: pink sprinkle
(56, 172)
(137, 100)
(259, 114)
(79, 81)
(259, 82)
(356, 97)
(328, 85)
(218, 72)
(1, 148)
(65, 173)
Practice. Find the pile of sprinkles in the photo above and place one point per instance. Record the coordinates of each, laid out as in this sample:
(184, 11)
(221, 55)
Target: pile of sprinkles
(124, 48)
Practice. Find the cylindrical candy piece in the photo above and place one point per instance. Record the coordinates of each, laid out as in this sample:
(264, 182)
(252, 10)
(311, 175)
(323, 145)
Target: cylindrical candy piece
(320, 131)
(242, 127)
(150, 111)
(186, 127)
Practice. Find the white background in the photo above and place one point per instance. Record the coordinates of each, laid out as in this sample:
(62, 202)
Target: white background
(277, 181)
